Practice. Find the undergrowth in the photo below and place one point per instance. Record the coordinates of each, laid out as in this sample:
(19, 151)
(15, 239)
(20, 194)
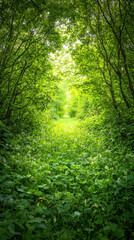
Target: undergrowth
(67, 183)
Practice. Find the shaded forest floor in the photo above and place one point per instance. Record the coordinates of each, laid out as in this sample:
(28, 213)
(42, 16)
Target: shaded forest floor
(67, 183)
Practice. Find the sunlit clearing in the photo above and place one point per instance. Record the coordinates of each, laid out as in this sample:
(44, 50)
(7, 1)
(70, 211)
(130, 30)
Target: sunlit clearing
(66, 125)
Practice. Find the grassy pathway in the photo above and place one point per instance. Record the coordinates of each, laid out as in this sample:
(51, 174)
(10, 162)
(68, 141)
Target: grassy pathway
(65, 185)
(66, 125)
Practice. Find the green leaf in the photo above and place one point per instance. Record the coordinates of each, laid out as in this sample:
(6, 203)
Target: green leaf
(77, 213)
(38, 193)
(119, 233)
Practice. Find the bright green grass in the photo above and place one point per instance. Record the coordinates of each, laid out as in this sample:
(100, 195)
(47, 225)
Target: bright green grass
(66, 124)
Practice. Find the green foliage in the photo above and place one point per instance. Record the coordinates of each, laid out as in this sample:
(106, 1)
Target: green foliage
(103, 53)
(66, 179)
(28, 35)
(73, 102)
(70, 182)
(58, 108)
(5, 136)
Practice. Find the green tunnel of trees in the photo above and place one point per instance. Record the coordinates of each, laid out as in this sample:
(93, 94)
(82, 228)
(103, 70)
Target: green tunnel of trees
(73, 57)
(104, 54)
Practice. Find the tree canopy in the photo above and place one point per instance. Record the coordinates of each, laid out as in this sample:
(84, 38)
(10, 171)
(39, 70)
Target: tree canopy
(98, 34)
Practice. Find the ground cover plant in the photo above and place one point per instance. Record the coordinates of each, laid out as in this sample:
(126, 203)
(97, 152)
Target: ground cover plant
(66, 185)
